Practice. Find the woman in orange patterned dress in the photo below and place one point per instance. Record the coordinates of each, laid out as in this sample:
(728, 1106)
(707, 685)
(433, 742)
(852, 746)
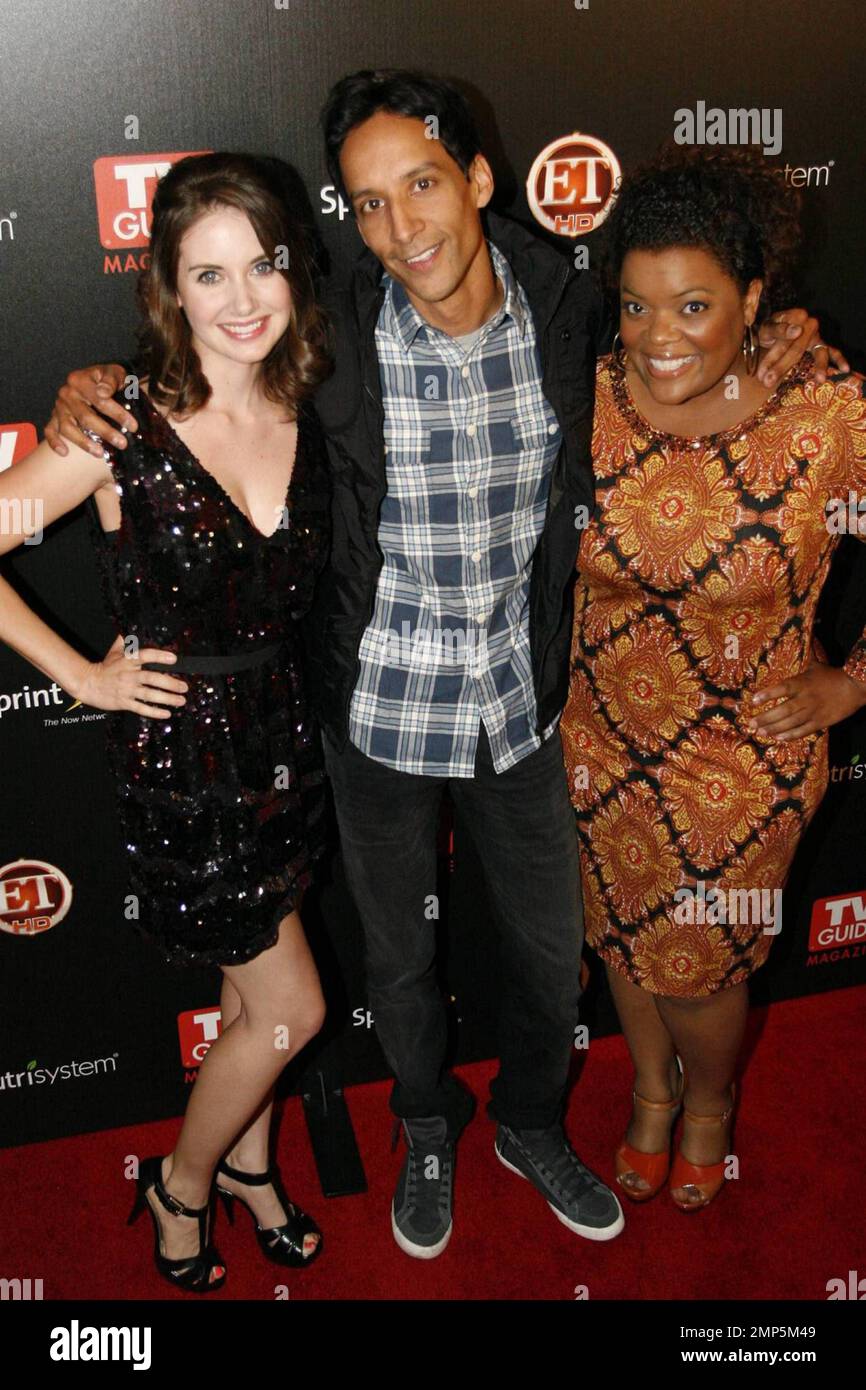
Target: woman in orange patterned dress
(695, 727)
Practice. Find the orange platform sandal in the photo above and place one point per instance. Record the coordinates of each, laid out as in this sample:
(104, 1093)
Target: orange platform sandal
(706, 1178)
(651, 1167)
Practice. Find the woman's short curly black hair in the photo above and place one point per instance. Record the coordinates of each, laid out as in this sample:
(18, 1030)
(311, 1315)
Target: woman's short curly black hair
(729, 201)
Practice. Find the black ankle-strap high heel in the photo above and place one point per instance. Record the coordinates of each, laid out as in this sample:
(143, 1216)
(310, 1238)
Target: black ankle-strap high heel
(282, 1244)
(191, 1272)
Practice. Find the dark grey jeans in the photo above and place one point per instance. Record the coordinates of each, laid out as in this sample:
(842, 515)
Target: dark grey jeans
(522, 823)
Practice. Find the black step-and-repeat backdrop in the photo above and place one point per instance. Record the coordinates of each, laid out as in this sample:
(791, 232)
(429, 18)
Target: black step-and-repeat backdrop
(97, 100)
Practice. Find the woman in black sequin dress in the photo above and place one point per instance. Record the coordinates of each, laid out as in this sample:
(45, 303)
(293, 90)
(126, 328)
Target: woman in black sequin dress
(222, 803)
(211, 528)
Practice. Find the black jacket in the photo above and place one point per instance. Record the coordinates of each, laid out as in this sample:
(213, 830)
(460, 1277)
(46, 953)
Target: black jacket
(571, 328)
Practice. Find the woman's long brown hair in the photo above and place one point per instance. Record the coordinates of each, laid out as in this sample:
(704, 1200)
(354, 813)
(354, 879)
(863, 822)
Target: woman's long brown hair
(195, 185)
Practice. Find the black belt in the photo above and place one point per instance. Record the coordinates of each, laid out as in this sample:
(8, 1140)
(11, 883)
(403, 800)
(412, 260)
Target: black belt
(221, 664)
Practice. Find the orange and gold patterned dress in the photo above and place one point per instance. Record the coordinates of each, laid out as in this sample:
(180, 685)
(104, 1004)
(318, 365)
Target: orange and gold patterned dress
(699, 577)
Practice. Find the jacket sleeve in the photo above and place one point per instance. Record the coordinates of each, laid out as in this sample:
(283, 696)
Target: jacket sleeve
(601, 319)
(338, 396)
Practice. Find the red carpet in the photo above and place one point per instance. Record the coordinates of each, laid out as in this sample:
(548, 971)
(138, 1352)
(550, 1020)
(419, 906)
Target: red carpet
(793, 1220)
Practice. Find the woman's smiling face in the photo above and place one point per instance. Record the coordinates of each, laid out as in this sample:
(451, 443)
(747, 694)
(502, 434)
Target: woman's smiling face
(682, 319)
(237, 303)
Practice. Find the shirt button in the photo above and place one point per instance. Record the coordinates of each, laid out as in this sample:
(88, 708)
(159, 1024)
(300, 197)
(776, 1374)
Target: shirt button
(476, 556)
(464, 371)
(481, 617)
(473, 492)
(471, 430)
(551, 429)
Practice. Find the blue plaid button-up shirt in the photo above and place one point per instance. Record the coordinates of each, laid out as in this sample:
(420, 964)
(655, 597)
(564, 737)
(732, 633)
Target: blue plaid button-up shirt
(470, 443)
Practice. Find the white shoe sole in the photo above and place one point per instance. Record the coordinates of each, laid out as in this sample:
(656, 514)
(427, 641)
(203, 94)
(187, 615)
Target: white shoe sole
(590, 1232)
(419, 1252)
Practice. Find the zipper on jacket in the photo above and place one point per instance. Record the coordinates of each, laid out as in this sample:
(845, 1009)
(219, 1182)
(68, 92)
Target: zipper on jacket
(366, 337)
(372, 606)
(543, 656)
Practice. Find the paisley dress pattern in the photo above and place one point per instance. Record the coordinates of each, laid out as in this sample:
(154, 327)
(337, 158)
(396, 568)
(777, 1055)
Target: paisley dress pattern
(222, 805)
(698, 580)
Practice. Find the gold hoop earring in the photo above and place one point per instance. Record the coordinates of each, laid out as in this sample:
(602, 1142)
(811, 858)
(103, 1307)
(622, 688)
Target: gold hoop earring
(750, 350)
(619, 353)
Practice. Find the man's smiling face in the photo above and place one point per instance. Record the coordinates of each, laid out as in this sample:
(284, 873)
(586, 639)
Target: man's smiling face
(416, 209)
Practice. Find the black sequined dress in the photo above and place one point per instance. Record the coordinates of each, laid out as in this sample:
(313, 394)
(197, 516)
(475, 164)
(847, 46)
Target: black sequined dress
(222, 806)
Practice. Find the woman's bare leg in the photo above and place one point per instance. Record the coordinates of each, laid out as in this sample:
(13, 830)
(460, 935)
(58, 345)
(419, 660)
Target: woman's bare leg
(250, 1152)
(251, 1148)
(708, 1034)
(281, 1010)
(653, 1055)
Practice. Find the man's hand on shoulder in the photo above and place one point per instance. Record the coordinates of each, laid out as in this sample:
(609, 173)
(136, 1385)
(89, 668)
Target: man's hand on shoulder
(85, 402)
(786, 336)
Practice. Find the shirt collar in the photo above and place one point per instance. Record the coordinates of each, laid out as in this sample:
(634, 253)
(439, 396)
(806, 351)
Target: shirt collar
(401, 318)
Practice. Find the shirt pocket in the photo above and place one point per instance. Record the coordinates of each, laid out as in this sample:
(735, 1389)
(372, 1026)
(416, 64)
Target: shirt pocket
(538, 430)
(537, 438)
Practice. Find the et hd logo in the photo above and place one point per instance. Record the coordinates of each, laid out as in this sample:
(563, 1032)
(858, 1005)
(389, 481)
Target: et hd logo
(124, 190)
(572, 184)
(34, 896)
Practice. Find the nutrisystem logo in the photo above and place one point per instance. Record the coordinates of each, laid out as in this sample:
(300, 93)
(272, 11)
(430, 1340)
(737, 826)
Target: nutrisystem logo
(854, 771)
(34, 1075)
(572, 184)
(34, 896)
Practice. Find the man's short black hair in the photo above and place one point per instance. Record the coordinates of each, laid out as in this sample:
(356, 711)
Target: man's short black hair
(357, 97)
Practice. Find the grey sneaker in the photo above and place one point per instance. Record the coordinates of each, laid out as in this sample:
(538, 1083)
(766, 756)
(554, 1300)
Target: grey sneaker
(575, 1195)
(421, 1210)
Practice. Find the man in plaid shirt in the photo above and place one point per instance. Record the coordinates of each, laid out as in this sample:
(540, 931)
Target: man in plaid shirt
(459, 422)
(469, 458)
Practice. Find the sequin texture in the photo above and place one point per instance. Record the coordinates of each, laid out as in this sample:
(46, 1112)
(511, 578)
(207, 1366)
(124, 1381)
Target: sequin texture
(222, 805)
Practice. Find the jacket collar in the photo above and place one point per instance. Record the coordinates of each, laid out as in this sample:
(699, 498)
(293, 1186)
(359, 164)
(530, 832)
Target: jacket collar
(542, 271)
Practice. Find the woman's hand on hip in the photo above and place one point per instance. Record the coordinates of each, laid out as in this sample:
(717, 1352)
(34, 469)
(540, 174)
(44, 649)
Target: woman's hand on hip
(119, 682)
(811, 701)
